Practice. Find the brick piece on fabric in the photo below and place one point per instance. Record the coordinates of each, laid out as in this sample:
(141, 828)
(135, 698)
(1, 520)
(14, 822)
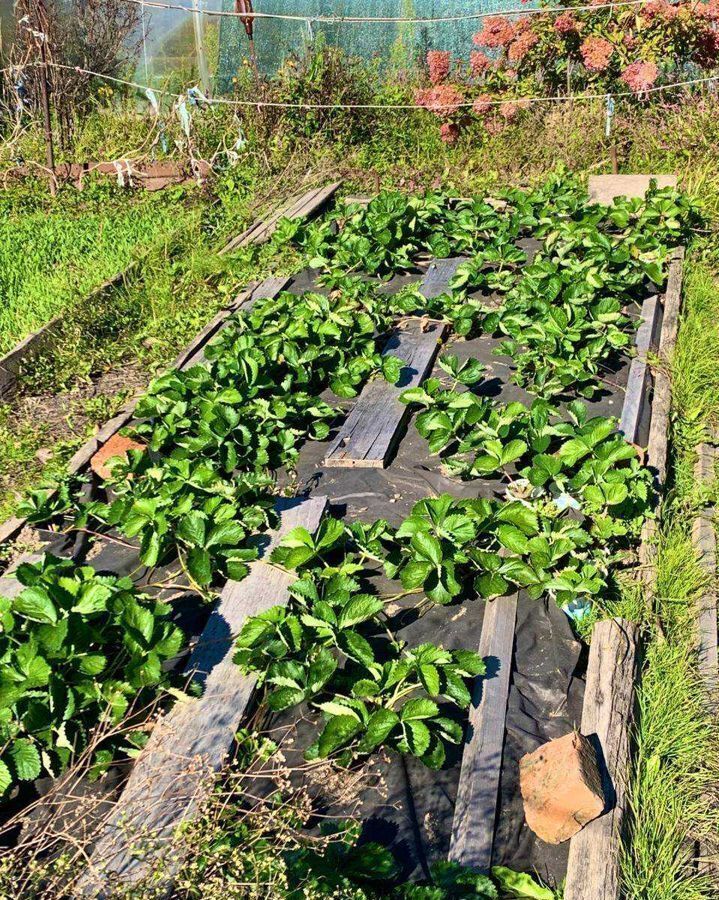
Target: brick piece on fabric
(116, 446)
(561, 787)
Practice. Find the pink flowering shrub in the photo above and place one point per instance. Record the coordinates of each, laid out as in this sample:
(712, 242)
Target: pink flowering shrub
(438, 63)
(443, 100)
(479, 62)
(640, 76)
(497, 32)
(623, 50)
(596, 53)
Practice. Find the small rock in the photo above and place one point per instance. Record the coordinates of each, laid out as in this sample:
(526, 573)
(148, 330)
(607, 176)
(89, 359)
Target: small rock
(117, 446)
(561, 787)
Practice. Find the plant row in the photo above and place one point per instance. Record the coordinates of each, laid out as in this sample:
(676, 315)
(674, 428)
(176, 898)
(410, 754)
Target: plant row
(213, 435)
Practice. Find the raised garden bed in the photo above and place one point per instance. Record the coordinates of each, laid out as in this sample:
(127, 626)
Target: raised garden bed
(372, 463)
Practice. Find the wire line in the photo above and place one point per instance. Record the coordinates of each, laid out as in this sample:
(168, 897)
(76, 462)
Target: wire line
(557, 98)
(354, 20)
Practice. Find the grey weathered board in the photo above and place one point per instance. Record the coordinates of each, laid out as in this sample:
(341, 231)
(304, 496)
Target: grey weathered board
(659, 425)
(705, 543)
(607, 715)
(372, 429)
(475, 809)
(440, 271)
(261, 230)
(638, 383)
(606, 188)
(661, 400)
(187, 746)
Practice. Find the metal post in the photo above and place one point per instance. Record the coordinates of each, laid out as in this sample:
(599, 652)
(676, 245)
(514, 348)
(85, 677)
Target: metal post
(199, 22)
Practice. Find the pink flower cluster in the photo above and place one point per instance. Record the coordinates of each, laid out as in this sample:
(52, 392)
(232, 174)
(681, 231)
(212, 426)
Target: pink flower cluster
(659, 9)
(479, 62)
(708, 11)
(521, 46)
(438, 62)
(498, 31)
(443, 100)
(640, 76)
(449, 132)
(566, 24)
(482, 105)
(596, 53)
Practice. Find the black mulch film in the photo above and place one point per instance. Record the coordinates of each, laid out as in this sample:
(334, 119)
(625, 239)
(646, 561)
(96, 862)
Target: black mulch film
(403, 804)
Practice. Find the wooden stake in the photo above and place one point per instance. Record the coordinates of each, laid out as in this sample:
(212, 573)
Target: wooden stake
(41, 19)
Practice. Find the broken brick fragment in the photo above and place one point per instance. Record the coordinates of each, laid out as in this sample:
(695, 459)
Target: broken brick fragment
(561, 787)
(116, 447)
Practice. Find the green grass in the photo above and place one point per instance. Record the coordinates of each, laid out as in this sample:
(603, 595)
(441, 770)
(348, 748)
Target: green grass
(674, 794)
(53, 252)
(131, 331)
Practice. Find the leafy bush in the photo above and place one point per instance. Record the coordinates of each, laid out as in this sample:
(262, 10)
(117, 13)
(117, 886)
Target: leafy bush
(77, 649)
(605, 51)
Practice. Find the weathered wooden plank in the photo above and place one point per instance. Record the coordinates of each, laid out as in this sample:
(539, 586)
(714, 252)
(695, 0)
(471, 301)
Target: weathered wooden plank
(705, 543)
(606, 188)
(174, 772)
(370, 432)
(475, 810)
(296, 207)
(657, 446)
(440, 271)
(594, 853)
(638, 383)
(10, 587)
(270, 287)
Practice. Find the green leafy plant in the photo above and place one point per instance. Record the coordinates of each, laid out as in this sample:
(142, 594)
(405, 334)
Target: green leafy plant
(386, 694)
(77, 648)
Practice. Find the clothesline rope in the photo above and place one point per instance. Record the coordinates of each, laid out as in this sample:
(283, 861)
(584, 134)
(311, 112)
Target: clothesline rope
(385, 20)
(225, 101)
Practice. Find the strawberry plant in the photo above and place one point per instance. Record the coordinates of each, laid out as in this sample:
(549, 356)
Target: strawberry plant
(214, 433)
(386, 694)
(77, 649)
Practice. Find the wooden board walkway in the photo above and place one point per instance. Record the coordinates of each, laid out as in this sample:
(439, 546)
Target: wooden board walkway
(477, 796)
(593, 871)
(174, 772)
(262, 229)
(606, 188)
(371, 431)
(440, 272)
(636, 396)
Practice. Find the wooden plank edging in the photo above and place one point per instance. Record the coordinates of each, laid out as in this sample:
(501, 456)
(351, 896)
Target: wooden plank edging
(190, 744)
(638, 383)
(478, 792)
(657, 446)
(309, 203)
(593, 870)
